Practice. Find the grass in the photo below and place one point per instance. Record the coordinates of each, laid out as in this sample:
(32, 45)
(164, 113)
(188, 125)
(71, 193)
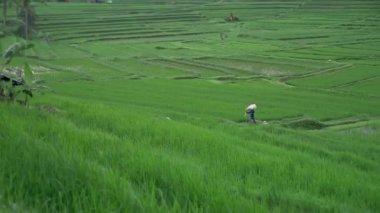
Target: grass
(339, 78)
(77, 161)
(146, 112)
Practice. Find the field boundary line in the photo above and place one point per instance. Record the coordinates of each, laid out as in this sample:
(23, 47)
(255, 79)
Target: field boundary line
(311, 74)
(352, 83)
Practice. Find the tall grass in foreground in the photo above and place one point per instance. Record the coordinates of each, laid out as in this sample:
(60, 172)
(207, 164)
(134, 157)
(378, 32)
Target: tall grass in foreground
(88, 157)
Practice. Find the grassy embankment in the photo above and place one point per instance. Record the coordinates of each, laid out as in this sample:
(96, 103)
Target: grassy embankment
(147, 109)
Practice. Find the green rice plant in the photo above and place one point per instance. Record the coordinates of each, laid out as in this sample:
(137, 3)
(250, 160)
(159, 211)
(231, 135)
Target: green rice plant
(143, 163)
(148, 109)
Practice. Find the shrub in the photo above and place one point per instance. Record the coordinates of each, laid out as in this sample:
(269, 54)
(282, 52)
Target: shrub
(231, 18)
(17, 81)
(305, 124)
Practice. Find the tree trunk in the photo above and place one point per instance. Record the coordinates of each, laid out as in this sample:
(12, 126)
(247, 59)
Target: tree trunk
(17, 9)
(5, 11)
(26, 18)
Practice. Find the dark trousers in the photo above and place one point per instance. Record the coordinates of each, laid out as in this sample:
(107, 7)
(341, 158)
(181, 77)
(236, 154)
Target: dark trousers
(252, 117)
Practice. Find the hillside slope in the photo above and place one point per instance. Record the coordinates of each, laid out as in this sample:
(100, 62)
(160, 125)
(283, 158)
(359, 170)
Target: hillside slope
(146, 109)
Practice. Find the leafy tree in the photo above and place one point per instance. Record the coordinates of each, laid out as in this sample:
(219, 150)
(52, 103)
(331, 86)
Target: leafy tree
(26, 14)
(29, 15)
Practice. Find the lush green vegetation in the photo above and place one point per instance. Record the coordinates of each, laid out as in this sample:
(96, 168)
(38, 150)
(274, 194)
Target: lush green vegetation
(147, 108)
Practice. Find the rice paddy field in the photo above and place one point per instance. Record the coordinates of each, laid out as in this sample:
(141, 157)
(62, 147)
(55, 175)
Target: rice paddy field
(145, 110)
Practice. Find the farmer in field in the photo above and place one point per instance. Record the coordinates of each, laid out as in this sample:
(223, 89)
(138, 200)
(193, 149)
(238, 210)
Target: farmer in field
(251, 111)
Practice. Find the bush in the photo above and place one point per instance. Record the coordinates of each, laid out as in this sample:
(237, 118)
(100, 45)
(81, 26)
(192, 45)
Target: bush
(13, 83)
(13, 27)
(17, 81)
(231, 18)
(305, 124)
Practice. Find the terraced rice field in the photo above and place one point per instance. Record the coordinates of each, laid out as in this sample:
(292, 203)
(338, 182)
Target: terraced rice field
(146, 108)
